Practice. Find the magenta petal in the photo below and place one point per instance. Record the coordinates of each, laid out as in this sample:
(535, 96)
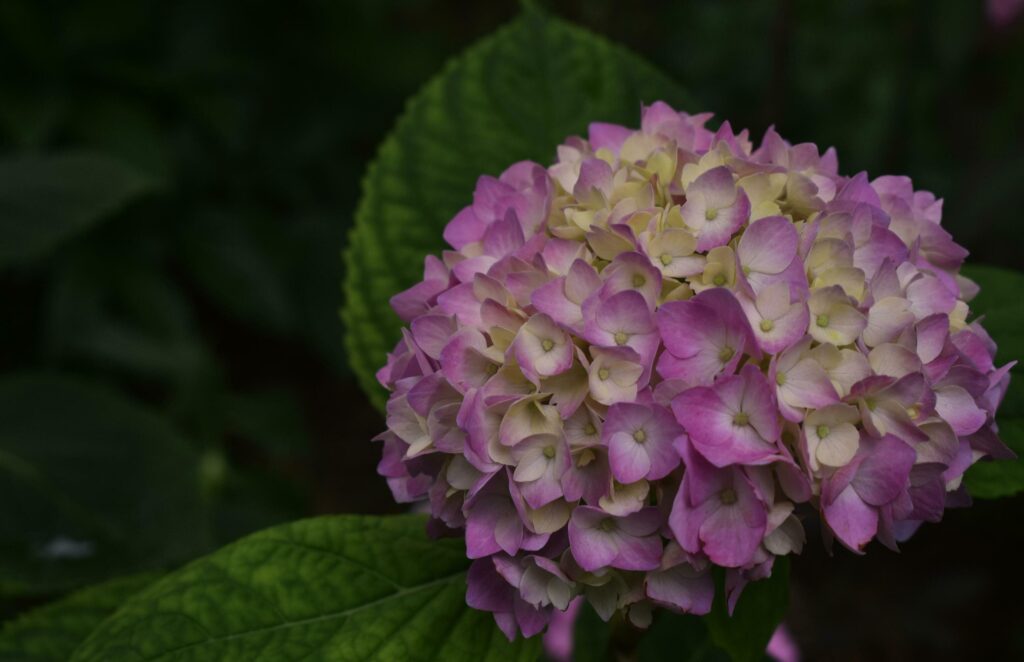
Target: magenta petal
(727, 223)
(683, 588)
(626, 313)
(464, 229)
(531, 620)
(504, 236)
(704, 335)
(432, 332)
(559, 639)
(595, 174)
(958, 408)
(589, 482)
(884, 472)
(726, 423)
(732, 533)
(550, 299)
(768, 245)
(853, 521)
(628, 459)
(592, 547)
(486, 589)
(492, 525)
(608, 136)
(638, 553)
(684, 326)
(639, 440)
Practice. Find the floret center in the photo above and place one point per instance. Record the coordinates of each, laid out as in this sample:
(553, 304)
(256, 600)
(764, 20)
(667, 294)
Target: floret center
(640, 436)
(767, 325)
(726, 353)
(602, 374)
(666, 259)
(549, 452)
(621, 338)
(607, 524)
(740, 418)
(718, 280)
(822, 431)
(639, 280)
(547, 344)
(822, 321)
(710, 214)
(727, 496)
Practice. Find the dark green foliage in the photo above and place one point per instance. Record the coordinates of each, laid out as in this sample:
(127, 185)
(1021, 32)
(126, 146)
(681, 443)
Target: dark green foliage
(92, 486)
(45, 200)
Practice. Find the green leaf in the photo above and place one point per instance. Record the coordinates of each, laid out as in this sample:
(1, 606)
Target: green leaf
(45, 200)
(52, 632)
(272, 418)
(126, 131)
(680, 637)
(590, 636)
(515, 95)
(92, 486)
(113, 310)
(994, 479)
(239, 260)
(1002, 307)
(760, 609)
(331, 588)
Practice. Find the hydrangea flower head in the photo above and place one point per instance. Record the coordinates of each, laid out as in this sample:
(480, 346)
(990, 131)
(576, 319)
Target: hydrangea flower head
(663, 352)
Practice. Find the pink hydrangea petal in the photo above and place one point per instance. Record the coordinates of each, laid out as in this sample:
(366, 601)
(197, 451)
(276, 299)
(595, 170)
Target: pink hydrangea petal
(465, 228)
(732, 533)
(769, 245)
(957, 407)
(682, 588)
(853, 521)
(608, 136)
(884, 471)
(835, 359)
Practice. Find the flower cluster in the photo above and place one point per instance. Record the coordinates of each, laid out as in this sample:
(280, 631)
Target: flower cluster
(636, 364)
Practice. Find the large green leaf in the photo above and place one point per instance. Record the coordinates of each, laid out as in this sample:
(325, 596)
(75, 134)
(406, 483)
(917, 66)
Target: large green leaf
(47, 199)
(91, 484)
(332, 588)
(515, 95)
(52, 632)
(1001, 304)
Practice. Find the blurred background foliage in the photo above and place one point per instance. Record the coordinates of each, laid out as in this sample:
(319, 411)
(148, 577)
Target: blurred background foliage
(176, 184)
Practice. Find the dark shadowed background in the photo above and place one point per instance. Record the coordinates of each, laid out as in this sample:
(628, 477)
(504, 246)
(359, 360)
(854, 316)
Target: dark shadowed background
(211, 299)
